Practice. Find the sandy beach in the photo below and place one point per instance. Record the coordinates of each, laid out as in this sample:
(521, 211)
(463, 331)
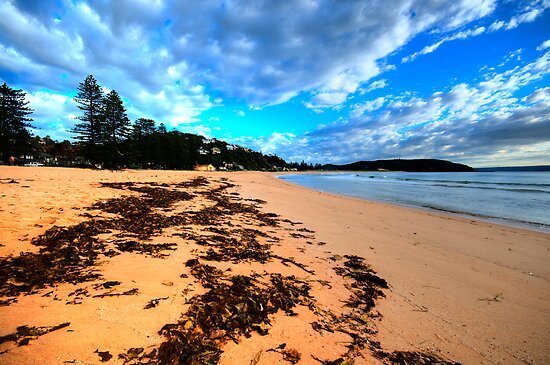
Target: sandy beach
(231, 266)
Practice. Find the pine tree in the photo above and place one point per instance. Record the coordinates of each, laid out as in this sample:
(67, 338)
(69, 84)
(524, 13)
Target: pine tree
(90, 100)
(143, 127)
(14, 137)
(116, 127)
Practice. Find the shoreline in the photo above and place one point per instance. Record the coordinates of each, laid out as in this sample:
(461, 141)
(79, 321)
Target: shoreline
(453, 282)
(507, 222)
(453, 250)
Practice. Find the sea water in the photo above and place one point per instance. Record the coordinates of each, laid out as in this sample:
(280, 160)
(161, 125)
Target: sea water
(514, 198)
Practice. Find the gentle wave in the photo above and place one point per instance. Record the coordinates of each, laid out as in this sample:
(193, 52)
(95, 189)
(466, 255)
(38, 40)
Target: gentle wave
(491, 188)
(491, 217)
(467, 182)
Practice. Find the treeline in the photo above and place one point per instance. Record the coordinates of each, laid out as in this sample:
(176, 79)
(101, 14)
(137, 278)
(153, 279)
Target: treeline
(105, 136)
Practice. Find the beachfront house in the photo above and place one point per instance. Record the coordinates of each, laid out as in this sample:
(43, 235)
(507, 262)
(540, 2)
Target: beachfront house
(208, 167)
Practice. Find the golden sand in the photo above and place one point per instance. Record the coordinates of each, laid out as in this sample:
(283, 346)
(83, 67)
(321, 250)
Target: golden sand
(462, 289)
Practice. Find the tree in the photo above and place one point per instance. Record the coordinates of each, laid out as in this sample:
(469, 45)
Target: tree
(90, 100)
(116, 126)
(14, 137)
(143, 127)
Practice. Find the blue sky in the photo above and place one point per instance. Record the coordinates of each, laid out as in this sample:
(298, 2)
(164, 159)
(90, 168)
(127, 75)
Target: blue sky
(315, 80)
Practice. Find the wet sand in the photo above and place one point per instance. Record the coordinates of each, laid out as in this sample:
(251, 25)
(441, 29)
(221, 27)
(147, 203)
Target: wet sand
(464, 290)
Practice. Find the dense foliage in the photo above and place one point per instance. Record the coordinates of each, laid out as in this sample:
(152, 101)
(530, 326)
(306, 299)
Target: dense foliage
(14, 121)
(105, 137)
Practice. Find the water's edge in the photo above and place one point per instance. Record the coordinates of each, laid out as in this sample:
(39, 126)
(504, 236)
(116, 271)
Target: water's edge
(504, 221)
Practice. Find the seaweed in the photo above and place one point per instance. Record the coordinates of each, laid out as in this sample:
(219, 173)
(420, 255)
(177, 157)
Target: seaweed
(133, 291)
(7, 302)
(154, 250)
(104, 356)
(231, 249)
(131, 354)
(291, 355)
(366, 286)
(70, 254)
(67, 254)
(107, 284)
(154, 302)
(25, 333)
(412, 357)
(207, 275)
(234, 306)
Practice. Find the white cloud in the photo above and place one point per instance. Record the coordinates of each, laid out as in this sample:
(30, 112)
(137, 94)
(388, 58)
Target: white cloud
(54, 114)
(544, 45)
(471, 123)
(264, 53)
(378, 84)
(530, 13)
(368, 106)
(526, 17)
(431, 48)
(538, 96)
(328, 99)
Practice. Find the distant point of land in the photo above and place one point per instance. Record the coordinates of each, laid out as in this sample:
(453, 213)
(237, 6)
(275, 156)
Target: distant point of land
(414, 165)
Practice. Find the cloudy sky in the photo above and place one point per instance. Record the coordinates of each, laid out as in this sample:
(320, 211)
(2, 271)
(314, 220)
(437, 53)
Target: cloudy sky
(314, 80)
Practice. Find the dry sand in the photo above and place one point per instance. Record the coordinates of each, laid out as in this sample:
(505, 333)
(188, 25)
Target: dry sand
(469, 291)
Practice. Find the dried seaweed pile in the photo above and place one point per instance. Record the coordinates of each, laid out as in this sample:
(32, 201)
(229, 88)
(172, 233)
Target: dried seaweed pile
(71, 254)
(234, 306)
(224, 248)
(67, 254)
(226, 205)
(25, 333)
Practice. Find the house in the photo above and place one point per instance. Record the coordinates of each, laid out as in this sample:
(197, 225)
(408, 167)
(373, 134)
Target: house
(231, 147)
(202, 151)
(208, 167)
(216, 151)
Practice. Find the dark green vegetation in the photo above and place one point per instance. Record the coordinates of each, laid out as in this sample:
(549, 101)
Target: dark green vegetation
(105, 136)
(225, 229)
(14, 122)
(417, 165)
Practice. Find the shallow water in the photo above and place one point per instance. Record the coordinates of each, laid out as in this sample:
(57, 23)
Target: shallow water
(515, 198)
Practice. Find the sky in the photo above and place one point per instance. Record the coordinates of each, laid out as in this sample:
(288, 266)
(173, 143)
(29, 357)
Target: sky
(315, 80)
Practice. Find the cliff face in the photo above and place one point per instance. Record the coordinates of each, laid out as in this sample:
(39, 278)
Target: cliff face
(417, 165)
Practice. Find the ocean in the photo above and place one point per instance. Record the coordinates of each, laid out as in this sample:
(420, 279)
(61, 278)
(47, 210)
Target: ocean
(512, 198)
